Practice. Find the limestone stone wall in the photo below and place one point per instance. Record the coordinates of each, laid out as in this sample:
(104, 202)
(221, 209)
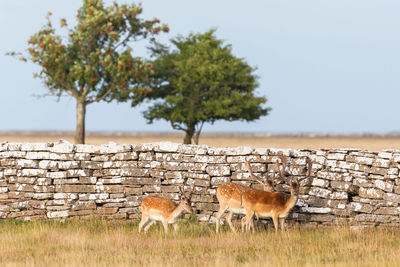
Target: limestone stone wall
(64, 181)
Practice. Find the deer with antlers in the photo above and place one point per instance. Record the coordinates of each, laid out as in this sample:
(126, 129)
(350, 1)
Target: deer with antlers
(272, 204)
(163, 210)
(229, 195)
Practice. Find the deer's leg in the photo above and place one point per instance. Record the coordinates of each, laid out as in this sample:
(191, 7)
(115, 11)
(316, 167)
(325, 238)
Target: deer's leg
(243, 223)
(222, 209)
(229, 220)
(283, 223)
(143, 221)
(165, 224)
(176, 227)
(251, 225)
(276, 221)
(248, 218)
(146, 228)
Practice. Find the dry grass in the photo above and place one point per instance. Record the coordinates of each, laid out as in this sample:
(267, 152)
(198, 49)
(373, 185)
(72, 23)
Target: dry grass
(374, 143)
(101, 243)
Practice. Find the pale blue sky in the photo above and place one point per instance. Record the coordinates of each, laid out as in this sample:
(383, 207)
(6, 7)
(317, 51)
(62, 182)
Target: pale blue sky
(325, 66)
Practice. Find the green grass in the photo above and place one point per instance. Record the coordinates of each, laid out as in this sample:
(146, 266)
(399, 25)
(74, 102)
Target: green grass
(117, 243)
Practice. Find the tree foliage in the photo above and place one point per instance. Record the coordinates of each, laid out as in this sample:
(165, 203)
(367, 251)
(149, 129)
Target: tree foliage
(94, 62)
(202, 82)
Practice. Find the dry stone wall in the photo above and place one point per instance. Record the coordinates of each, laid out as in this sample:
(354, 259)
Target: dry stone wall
(65, 181)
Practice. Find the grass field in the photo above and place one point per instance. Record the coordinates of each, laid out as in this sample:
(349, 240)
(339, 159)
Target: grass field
(117, 243)
(374, 143)
(105, 243)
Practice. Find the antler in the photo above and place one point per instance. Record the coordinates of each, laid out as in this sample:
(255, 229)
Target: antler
(248, 167)
(282, 172)
(191, 192)
(308, 171)
(182, 191)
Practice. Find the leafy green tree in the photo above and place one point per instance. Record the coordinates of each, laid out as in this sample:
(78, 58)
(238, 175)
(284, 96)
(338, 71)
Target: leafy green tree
(202, 82)
(93, 62)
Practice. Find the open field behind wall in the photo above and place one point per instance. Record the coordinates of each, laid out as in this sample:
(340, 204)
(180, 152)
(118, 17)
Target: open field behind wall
(116, 243)
(367, 142)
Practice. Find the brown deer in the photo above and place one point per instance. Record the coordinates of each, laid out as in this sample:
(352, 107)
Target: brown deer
(163, 210)
(229, 196)
(272, 204)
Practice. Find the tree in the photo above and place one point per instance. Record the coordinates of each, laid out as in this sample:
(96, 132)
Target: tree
(94, 63)
(202, 82)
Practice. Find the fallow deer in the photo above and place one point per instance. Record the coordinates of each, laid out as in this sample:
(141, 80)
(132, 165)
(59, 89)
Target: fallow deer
(163, 210)
(272, 204)
(229, 196)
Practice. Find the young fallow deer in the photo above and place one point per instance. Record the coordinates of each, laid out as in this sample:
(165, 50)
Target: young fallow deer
(272, 204)
(163, 210)
(229, 195)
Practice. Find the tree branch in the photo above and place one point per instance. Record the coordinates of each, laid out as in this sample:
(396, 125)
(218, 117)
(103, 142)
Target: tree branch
(177, 126)
(196, 136)
(97, 99)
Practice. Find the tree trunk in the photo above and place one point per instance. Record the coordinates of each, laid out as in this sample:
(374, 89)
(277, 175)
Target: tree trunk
(80, 121)
(189, 134)
(196, 136)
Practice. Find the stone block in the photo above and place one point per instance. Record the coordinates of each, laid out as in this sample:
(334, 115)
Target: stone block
(92, 165)
(218, 170)
(194, 150)
(57, 214)
(321, 218)
(219, 180)
(361, 207)
(66, 165)
(363, 182)
(370, 193)
(34, 146)
(48, 164)
(336, 156)
(113, 148)
(133, 190)
(384, 185)
(315, 210)
(14, 154)
(320, 182)
(125, 156)
(381, 163)
(320, 192)
(100, 158)
(32, 172)
(75, 188)
(151, 188)
(27, 163)
(135, 172)
(339, 195)
(146, 156)
(37, 155)
(341, 186)
(57, 175)
(388, 211)
(65, 196)
(81, 156)
(378, 171)
(62, 147)
(113, 188)
(391, 197)
(42, 195)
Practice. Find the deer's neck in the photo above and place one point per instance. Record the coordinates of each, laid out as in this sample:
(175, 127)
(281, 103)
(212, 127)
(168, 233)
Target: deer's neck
(291, 202)
(176, 213)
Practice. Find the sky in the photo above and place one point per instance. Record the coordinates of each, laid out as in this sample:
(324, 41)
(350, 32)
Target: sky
(324, 66)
